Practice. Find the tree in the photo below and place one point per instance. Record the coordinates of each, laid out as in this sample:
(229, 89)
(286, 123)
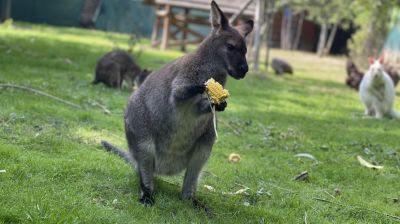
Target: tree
(329, 14)
(373, 20)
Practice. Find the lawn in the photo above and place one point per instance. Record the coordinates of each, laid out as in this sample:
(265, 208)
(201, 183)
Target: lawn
(57, 172)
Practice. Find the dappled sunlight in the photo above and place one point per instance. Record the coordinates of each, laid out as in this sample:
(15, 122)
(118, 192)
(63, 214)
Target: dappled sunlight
(93, 137)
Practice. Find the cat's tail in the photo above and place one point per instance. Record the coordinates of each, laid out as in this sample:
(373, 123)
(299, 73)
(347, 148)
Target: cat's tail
(395, 115)
(119, 152)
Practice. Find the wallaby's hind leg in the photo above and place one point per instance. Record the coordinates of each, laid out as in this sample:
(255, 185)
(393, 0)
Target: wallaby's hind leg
(369, 111)
(199, 157)
(144, 155)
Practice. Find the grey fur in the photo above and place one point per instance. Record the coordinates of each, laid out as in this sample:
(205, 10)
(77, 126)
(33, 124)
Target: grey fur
(168, 121)
(280, 66)
(119, 152)
(115, 67)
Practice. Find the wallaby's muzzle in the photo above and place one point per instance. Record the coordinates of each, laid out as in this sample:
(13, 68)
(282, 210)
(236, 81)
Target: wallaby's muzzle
(239, 71)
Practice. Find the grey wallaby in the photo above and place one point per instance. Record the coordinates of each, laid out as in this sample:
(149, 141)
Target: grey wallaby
(280, 66)
(168, 120)
(115, 67)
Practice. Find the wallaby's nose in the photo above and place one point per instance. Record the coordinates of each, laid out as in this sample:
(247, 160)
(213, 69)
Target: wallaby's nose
(244, 68)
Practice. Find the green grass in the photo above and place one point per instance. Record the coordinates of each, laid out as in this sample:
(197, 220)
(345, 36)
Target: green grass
(58, 173)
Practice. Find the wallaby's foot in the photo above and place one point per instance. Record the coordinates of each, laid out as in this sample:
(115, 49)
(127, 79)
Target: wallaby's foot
(147, 199)
(369, 112)
(201, 206)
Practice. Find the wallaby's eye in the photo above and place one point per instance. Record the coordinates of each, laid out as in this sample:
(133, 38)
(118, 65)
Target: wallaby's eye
(230, 47)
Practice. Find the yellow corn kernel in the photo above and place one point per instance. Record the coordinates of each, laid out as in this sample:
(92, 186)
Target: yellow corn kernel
(216, 91)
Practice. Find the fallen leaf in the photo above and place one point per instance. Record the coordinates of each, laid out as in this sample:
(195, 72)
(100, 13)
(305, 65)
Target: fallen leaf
(367, 164)
(233, 157)
(306, 155)
(301, 176)
(210, 188)
(240, 191)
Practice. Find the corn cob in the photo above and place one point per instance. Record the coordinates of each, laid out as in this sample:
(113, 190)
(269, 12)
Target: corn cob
(216, 91)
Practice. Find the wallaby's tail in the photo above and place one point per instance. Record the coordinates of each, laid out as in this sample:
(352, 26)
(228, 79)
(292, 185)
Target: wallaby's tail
(121, 153)
(395, 115)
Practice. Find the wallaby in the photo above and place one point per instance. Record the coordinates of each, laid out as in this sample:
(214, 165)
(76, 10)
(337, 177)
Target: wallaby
(280, 66)
(393, 74)
(168, 120)
(115, 67)
(377, 91)
(354, 76)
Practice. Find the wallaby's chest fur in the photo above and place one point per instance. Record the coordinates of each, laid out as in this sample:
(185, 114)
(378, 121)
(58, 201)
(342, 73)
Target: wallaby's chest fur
(176, 126)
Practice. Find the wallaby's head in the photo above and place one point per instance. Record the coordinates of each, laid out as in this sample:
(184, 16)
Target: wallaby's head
(376, 67)
(143, 75)
(228, 42)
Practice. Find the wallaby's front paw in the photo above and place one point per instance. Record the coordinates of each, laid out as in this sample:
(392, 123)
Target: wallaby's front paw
(221, 106)
(200, 89)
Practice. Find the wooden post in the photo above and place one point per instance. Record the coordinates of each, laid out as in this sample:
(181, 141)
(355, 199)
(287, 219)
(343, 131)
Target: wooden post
(257, 34)
(184, 32)
(5, 10)
(156, 27)
(166, 26)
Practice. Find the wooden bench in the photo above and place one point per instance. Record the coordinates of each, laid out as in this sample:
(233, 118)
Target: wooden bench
(177, 14)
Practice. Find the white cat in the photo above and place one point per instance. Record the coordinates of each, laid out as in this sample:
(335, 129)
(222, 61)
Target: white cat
(377, 91)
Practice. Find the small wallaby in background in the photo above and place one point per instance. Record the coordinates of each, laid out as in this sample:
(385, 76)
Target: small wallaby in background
(115, 67)
(393, 74)
(377, 91)
(280, 66)
(168, 120)
(354, 76)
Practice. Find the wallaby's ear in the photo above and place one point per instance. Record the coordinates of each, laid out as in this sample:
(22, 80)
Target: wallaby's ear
(381, 60)
(245, 28)
(217, 18)
(371, 60)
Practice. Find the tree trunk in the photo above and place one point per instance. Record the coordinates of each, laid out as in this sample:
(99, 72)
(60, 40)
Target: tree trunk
(270, 6)
(299, 30)
(283, 30)
(322, 39)
(259, 12)
(289, 30)
(286, 29)
(5, 10)
(88, 13)
(330, 40)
